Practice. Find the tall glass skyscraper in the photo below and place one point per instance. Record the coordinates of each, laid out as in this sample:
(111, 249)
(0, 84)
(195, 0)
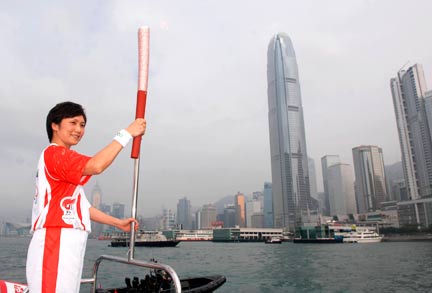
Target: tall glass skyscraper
(268, 205)
(341, 189)
(371, 188)
(409, 91)
(326, 162)
(184, 213)
(289, 160)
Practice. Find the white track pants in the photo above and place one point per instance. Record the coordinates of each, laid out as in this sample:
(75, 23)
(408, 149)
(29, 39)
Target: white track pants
(55, 260)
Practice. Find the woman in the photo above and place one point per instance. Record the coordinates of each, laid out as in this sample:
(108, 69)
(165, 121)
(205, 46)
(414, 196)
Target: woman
(61, 213)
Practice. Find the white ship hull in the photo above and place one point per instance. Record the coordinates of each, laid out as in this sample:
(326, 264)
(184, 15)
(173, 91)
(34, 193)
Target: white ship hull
(362, 237)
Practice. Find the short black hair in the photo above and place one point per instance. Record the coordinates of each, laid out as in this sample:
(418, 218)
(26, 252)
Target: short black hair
(61, 111)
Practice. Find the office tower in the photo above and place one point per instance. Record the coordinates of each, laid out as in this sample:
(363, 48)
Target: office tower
(394, 177)
(208, 216)
(312, 179)
(371, 187)
(96, 201)
(428, 109)
(289, 163)
(168, 219)
(198, 220)
(118, 210)
(409, 91)
(268, 205)
(257, 220)
(326, 162)
(229, 216)
(96, 196)
(340, 180)
(106, 208)
(240, 205)
(184, 213)
(253, 207)
(399, 190)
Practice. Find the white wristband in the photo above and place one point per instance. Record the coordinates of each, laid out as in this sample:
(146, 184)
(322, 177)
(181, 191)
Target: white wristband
(123, 137)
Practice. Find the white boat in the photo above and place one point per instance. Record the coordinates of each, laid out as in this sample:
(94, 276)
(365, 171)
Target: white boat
(362, 237)
(273, 240)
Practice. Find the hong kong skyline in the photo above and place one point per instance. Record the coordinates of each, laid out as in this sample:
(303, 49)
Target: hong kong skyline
(207, 113)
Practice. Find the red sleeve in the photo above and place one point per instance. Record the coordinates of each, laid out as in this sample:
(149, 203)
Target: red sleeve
(66, 165)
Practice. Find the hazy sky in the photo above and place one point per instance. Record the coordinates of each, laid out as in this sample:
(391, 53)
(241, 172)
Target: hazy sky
(207, 112)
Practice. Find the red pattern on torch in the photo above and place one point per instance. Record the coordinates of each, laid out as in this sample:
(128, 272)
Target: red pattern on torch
(143, 63)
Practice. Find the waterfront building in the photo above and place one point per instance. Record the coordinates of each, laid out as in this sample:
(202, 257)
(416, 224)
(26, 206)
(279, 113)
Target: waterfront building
(340, 181)
(184, 213)
(240, 205)
(410, 106)
(168, 219)
(253, 206)
(322, 203)
(371, 187)
(399, 190)
(257, 220)
(268, 205)
(155, 223)
(194, 235)
(208, 216)
(415, 213)
(246, 234)
(289, 160)
(229, 216)
(394, 177)
(326, 162)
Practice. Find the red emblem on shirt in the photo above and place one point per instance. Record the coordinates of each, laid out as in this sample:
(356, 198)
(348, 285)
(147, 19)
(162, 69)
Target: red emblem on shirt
(67, 205)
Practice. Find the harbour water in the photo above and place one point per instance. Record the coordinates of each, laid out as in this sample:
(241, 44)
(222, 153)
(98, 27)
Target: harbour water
(259, 267)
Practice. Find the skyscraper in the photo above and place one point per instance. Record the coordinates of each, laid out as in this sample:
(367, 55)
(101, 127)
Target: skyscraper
(268, 205)
(96, 200)
(371, 188)
(118, 210)
(409, 91)
(289, 161)
(229, 217)
(184, 213)
(326, 162)
(240, 205)
(96, 196)
(340, 182)
(254, 205)
(312, 179)
(208, 216)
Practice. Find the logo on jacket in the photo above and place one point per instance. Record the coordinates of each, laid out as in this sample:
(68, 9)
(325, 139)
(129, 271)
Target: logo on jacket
(67, 205)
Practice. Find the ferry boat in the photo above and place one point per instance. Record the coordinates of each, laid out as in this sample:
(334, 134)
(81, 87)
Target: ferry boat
(362, 237)
(145, 238)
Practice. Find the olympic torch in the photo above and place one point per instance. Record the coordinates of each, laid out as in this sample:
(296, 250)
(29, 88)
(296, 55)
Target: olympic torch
(143, 64)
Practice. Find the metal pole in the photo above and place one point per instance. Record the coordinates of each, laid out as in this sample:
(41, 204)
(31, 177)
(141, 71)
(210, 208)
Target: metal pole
(131, 253)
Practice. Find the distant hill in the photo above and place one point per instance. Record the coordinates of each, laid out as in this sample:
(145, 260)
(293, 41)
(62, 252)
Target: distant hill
(229, 199)
(394, 172)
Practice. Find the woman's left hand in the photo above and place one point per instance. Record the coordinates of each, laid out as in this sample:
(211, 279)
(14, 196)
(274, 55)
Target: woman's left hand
(125, 224)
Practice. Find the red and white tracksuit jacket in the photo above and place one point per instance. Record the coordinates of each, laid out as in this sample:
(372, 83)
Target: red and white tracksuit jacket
(60, 222)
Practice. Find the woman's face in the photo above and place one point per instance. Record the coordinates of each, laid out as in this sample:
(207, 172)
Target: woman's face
(69, 132)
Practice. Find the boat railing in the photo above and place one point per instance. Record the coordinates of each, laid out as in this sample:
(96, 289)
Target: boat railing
(152, 265)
